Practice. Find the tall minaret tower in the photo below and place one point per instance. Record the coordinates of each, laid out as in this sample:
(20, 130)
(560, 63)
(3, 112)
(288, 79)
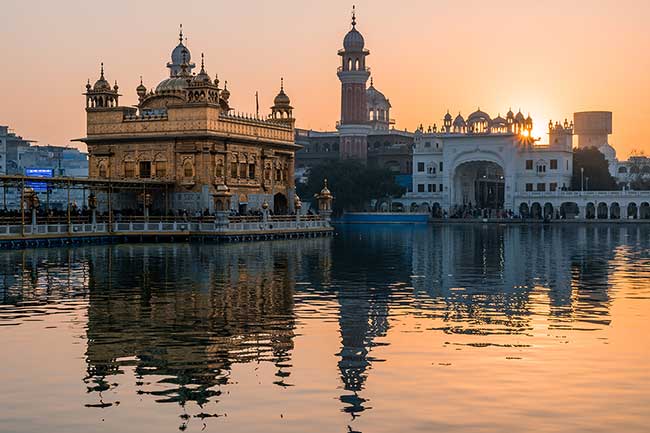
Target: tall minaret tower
(354, 127)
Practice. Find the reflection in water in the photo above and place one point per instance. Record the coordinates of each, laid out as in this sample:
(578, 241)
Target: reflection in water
(179, 317)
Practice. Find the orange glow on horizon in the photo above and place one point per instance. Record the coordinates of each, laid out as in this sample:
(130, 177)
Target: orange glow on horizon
(563, 63)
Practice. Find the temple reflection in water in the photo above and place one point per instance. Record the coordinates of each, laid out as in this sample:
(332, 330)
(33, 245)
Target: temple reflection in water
(182, 315)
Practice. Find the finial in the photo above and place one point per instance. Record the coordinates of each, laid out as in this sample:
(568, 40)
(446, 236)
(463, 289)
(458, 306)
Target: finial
(225, 85)
(180, 35)
(281, 84)
(141, 80)
(325, 181)
(202, 63)
(372, 82)
(216, 80)
(354, 16)
(102, 70)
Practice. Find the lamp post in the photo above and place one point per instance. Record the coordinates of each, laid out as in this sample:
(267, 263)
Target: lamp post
(587, 183)
(582, 178)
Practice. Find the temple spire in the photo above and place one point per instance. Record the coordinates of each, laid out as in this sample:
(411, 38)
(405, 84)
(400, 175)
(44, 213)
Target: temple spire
(354, 16)
(180, 34)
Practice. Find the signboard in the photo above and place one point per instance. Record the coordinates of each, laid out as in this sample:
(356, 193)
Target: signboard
(38, 172)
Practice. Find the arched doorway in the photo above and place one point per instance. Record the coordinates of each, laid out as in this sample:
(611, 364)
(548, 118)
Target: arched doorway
(632, 211)
(569, 210)
(548, 211)
(479, 184)
(644, 211)
(437, 210)
(523, 210)
(243, 204)
(602, 211)
(590, 213)
(536, 211)
(614, 211)
(280, 204)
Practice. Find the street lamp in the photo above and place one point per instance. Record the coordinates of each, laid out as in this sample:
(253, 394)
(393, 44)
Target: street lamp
(582, 178)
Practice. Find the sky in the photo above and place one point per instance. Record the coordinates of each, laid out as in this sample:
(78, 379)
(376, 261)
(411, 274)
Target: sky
(548, 58)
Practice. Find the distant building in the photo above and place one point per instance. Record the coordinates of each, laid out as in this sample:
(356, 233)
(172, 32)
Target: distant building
(365, 131)
(11, 147)
(20, 157)
(63, 161)
(486, 162)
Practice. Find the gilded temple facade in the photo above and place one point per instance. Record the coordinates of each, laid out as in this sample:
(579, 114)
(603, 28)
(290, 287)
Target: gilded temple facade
(185, 134)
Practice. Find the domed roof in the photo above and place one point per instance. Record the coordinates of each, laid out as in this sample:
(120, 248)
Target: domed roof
(141, 88)
(325, 192)
(172, 85)
(281, 99)
(520, 117)
(202, 76)
(374, 96)
(225, 93)
(448, 116)
(181, 58)
(102, 84)
(459, 121)
(499, 121)
(181, 54)
(478, 115)
(510, 114)
(353, 41)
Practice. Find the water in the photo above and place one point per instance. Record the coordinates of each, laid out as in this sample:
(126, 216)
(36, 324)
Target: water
(381, 329)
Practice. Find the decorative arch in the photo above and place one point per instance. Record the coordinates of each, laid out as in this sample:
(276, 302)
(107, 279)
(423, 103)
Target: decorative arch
(632, 211)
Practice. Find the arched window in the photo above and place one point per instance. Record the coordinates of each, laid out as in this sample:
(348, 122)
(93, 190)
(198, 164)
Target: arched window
(129, 168)
(188, 170)
(102, 170)
(349, 64)
(160, 167)
(357, 65)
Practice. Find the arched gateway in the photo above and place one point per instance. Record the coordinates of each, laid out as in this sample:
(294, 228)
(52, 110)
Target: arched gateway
(479, 184)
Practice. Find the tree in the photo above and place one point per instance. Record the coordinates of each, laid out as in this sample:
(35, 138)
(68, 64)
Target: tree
(352, 184)
(596, 168)
(639, 173)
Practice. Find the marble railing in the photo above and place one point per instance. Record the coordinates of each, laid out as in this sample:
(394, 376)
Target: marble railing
(166, 226)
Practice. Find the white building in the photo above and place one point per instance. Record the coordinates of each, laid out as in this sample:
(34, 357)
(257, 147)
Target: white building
(486, 163)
